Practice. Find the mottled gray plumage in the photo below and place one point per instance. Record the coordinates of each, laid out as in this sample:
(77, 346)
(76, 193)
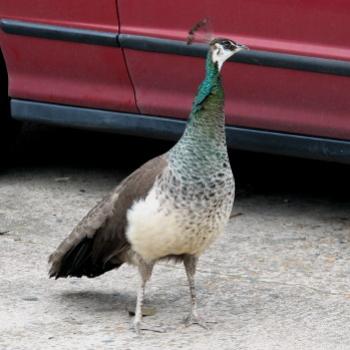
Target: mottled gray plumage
(173, 206)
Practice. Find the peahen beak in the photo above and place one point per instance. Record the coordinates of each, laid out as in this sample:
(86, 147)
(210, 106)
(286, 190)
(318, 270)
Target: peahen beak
(241, 47)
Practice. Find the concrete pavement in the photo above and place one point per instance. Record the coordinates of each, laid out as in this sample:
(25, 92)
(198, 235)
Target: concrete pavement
(277, 279)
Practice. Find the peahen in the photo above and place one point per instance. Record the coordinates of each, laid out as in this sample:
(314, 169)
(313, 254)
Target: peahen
(173, 206)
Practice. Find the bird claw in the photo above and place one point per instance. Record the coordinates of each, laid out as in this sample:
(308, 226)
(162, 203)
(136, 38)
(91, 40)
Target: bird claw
(195, 319)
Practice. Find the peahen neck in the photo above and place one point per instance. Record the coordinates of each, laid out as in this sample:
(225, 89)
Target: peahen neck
(207, 120)
(204, 141)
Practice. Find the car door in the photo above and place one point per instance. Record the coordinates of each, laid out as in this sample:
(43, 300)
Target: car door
(295, 79)
(65, 52)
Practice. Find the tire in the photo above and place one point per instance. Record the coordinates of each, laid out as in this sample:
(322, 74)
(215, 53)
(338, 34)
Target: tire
(9, 128)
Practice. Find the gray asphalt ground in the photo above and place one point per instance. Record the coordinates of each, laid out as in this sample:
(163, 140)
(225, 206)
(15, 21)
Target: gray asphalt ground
(278, 278)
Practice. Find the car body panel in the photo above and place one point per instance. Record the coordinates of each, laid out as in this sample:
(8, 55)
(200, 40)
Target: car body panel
(87, 14)
(263, 97)
(130, 56)
(313, 28)
(74, 73)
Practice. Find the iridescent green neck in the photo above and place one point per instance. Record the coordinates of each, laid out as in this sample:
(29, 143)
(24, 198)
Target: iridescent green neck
(206, 123)
(203, 143)
(211, 81)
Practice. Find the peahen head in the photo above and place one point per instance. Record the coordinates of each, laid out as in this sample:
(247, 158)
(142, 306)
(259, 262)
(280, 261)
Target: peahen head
(222, 49)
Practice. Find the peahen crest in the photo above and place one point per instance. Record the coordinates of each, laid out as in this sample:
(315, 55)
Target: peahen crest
(201, 32)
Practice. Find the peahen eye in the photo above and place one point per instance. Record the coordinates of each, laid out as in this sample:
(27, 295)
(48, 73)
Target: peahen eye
(227, 45)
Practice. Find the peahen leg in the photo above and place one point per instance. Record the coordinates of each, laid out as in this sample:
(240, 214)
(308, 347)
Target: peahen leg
(190, 263)
(145, 271)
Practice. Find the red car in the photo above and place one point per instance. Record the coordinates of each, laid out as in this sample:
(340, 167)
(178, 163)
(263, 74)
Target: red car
(124, 66)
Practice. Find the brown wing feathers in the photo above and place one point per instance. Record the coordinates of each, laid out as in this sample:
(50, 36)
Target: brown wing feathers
(98, 243)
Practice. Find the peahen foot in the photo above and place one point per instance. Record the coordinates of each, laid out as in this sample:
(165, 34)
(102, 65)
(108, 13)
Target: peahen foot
(193, 318)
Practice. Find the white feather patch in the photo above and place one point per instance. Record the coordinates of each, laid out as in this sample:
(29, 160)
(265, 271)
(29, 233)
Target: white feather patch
(156, 231)
(150, 231)
(220, 55)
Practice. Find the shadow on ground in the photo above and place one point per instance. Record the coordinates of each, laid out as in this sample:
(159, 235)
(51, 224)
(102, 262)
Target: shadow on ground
(44, 146)
(96, 301)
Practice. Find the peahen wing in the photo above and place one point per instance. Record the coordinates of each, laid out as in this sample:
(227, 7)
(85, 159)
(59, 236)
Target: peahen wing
(98, 243)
